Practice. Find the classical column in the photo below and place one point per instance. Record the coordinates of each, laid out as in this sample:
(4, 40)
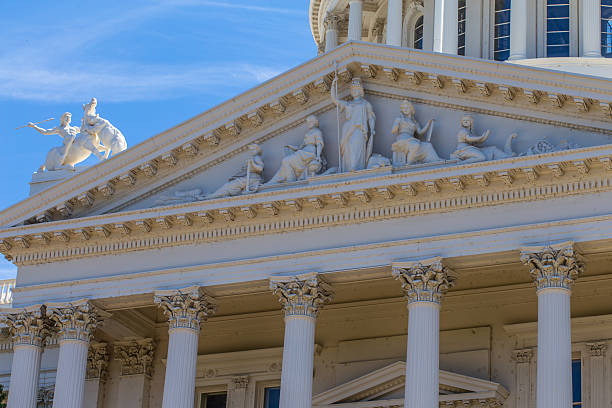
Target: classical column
(591, 28)
(518, 30)
(136, 357)
(185, 309)
(75, 324)
(394, 22)
(301, 296)
(523, 377)
(28, 327)
(355, 20)
(424, 284)
(595, 377)
(446, 26)
(96, 374)
(553, 269)
(331, 23)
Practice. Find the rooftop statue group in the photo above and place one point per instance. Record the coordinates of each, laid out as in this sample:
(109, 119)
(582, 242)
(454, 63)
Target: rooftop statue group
(95, 136)
(412, 146)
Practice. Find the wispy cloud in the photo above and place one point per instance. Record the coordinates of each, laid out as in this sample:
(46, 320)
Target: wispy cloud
(247, 7)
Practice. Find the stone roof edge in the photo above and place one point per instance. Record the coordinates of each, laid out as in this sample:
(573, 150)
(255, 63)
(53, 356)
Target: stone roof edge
(207, 125)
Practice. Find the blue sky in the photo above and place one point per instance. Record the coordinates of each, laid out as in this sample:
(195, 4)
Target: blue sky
(151, 64)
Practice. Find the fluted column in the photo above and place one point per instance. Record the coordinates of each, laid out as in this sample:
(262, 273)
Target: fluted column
(591, 28)
(185, 309)
(29, 328)
(331, 23)
(75, 325)
(446, 26)
(302, 297)
(355, 20)
(553, 269)
(394, 22)
(518, 30)
(424, 284)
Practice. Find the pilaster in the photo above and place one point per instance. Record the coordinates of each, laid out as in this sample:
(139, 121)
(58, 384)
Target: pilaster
(595, 377)
(237, 395)
(136, 357)
(96, 375)
(525, 382)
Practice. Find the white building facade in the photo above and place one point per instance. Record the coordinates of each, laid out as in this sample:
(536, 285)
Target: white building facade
(382, 226)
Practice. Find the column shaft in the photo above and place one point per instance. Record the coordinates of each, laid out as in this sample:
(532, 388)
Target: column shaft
(422, 356)
(24, 376)
(591, 28)
(179, 385)
(298, 362)
(331, 39)
(554, 374)
(446, 26)
(355, 20)
(394, 22)
(70, 380)
(518, 30)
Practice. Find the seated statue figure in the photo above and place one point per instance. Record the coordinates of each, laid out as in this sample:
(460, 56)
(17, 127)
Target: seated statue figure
(408, 149)
(247, 180)
(466, 150)
(305, 160)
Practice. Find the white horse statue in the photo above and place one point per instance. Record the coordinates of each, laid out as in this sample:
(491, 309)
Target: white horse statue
(109, 138)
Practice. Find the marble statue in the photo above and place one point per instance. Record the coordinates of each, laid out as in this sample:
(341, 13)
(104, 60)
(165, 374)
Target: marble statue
(74, 149)
(544, 146)
(408, 148)
(247, 180)
(468, 152)
(305, 160)
(357, 137)
(110, 138)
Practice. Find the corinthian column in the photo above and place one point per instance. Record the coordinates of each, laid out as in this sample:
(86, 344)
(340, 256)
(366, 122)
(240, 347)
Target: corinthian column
(28, 328)
(185, 309)
(446, 26)
(331, 23)
(553, 269)
(355, 20)
(424, 284)
(75, 324)
(394, 22)
(301, 296)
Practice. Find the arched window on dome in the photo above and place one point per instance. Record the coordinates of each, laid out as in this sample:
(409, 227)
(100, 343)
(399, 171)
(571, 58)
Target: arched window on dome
(606, 28)
(501, 36)
(462, 13)
(418, 33)
(558, 28)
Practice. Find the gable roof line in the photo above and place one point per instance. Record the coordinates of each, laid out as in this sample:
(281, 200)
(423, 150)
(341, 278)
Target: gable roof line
(207, 122)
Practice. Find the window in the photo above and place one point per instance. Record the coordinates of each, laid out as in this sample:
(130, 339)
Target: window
(272, 397)
(606, 28)
(461, 38)
(558, 28)
(214, 400)
(418, 33)
(577, 383)
(501, 36)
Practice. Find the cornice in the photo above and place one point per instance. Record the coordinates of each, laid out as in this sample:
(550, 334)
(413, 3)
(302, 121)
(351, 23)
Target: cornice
(224, 130)
(326, 201)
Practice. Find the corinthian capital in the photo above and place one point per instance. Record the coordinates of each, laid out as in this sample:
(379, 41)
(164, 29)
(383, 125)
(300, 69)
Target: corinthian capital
(185, 308)
(554, 266)
(136, 356)
(97, 361)
(76, 320)
(301, 295)
(426, 280)
(28, 326)
(332, 21)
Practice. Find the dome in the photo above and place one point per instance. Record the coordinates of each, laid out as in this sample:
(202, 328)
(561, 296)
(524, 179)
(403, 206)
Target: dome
(566, 35)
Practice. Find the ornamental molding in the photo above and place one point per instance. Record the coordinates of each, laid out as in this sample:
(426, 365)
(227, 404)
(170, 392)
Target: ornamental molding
(301, 295)
(212, 125)
(75, 321)
(29, 326)
(522, 356)
(45, 395)
(98, 356)
(426, 280)
(185, 308)
(597, 349)
(506, 182)
(553, 266)
(136, 356)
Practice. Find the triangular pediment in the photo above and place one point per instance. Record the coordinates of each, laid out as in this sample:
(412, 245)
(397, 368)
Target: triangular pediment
(174, 172)
(388, 381)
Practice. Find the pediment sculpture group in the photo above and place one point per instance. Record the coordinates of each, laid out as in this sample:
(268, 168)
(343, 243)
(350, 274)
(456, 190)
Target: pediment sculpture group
(412, 146)
(95, 136)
